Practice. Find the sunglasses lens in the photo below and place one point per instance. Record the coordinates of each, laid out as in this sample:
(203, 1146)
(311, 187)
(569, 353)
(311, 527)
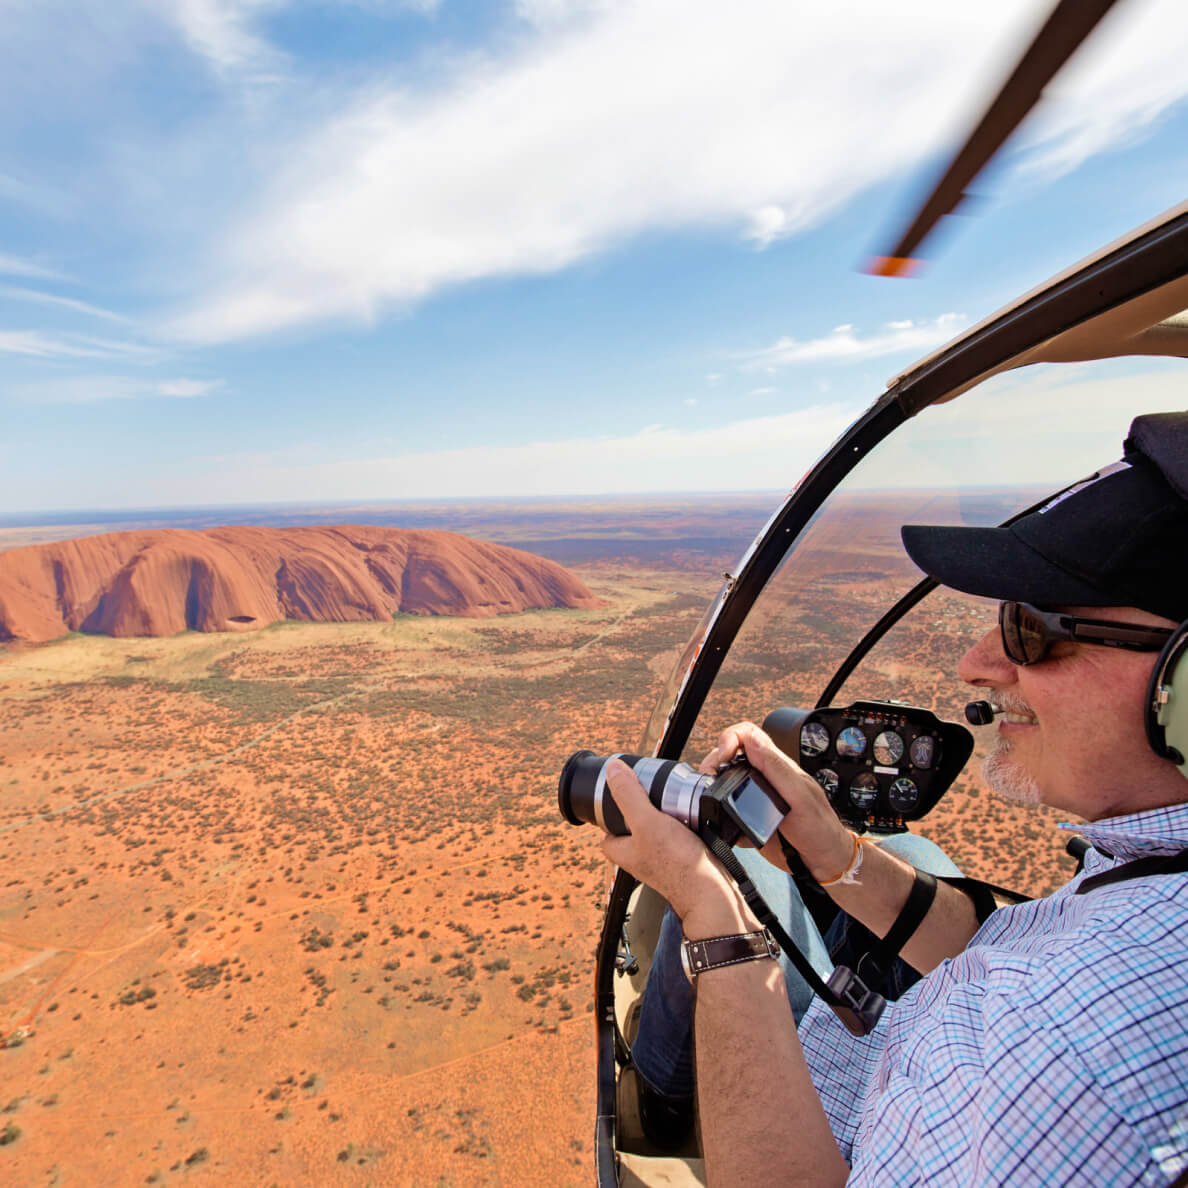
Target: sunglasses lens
(1024, 638)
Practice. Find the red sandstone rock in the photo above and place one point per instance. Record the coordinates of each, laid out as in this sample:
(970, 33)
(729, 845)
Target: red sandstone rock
(224, 579)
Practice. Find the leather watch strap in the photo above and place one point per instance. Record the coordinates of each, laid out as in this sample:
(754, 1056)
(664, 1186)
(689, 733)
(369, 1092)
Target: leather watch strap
(698, 957)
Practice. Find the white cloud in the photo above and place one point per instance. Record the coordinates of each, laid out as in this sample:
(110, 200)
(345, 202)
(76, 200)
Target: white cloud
(35, 297)
(586, 123)
(652, 115)
(550, 13)
(187, 388)
(764, 453)
(37, 344)
(768, 223)
(845, 345)
(90, 389)
(16, 266)
(1123, 79)
(220, 32)
(1044, 427)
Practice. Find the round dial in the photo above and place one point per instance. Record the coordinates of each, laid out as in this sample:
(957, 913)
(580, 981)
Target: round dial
(888, 748)
(851, 743)
(814, 738)
(864, 791)
(828, 780)
(904, 795)
(923, 751)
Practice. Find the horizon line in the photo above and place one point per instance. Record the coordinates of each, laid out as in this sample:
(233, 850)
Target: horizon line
(43, 516)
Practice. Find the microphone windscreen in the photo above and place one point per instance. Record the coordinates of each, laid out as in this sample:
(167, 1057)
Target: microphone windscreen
(979, 713)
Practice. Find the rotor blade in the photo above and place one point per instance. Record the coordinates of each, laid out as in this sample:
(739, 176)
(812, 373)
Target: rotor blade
(1070, 22)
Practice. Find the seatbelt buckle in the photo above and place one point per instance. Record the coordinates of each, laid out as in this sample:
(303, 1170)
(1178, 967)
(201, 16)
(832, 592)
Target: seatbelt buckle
(860, 1007)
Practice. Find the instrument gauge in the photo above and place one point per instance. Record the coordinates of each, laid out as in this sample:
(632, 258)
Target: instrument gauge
(923, 751)
(904, 796)
(851, 743)
(814, 738)
(888, 748)
(828, 780)
(864, 791)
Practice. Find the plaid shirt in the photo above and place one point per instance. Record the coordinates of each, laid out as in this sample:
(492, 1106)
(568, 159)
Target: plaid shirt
(1053, 1050)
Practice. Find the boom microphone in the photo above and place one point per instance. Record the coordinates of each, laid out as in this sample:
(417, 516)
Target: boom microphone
(980, 713)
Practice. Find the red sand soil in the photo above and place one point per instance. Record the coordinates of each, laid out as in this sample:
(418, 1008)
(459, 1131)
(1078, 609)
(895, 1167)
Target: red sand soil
(297, 906)
(164, 581)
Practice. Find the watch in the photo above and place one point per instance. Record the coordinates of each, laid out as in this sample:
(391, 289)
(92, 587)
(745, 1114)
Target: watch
(697, 957)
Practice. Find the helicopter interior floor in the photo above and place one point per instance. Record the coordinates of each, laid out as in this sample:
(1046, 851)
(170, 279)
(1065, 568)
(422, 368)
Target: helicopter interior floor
(639, 1162)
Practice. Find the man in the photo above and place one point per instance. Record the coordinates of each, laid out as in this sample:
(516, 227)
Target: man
(1050, 1044)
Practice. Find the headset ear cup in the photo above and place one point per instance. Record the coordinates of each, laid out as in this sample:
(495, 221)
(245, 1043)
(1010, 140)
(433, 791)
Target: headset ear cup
(1167, 701)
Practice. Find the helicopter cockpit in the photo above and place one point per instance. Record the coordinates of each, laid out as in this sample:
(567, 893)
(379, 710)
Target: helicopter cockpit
(824, 611)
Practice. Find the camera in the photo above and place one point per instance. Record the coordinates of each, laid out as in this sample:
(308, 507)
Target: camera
(737, 801)
(880, 764)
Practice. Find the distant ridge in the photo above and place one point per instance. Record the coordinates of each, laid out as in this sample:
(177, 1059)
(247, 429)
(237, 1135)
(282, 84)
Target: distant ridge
(163, 581)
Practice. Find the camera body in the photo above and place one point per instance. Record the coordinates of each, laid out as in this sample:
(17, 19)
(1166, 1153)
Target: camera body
(737, 801)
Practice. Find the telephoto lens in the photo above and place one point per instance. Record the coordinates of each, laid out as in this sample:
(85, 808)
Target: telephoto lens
(735, 801)
(585, 799)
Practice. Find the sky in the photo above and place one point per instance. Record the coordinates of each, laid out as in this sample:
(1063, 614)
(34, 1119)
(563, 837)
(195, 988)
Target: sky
(328, 250)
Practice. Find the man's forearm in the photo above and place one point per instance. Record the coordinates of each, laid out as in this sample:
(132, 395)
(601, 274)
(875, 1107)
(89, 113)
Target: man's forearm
(761, 1120)
(885, 882)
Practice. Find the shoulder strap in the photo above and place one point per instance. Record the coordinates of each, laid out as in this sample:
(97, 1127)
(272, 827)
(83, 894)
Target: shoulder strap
(985, 895)
(1140, 867)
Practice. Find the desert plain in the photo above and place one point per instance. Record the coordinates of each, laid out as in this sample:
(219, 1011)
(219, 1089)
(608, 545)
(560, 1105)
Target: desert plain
(296, 905)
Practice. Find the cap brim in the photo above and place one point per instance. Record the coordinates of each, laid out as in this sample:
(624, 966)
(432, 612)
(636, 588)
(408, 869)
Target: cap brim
(995, 563)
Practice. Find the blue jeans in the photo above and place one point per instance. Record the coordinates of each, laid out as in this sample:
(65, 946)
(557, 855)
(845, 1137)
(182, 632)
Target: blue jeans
(663, 1049)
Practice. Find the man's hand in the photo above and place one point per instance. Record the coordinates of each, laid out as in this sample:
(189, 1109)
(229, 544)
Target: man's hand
(745, 1033)
(811, 826)
(673, 861)
(827, 848)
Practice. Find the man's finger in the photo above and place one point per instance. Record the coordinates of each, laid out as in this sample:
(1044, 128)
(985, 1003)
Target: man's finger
(763, 754)
(629, 793)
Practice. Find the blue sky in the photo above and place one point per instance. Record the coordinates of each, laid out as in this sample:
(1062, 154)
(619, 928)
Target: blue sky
(266, 250)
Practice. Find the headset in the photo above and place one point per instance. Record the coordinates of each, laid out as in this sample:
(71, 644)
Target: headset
(1167, 702)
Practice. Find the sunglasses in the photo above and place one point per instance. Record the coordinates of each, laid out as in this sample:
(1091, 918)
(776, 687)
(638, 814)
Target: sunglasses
(1028, 632)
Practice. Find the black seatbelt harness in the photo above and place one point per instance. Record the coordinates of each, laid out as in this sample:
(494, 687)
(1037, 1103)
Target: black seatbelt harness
(1156, 865)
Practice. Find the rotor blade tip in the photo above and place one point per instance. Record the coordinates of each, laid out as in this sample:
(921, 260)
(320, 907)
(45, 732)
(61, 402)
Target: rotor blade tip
(893, 266)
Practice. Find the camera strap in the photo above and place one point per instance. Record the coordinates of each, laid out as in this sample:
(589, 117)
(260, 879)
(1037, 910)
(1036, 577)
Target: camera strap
(856, 1003)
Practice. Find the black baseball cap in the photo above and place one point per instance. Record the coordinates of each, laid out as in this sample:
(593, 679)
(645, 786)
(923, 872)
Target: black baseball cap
(1116, 538)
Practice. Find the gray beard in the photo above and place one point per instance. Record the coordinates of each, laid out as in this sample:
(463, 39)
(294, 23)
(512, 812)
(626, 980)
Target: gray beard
(1007, 779)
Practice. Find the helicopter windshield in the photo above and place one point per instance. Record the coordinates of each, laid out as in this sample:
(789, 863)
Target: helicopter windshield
(975, 461)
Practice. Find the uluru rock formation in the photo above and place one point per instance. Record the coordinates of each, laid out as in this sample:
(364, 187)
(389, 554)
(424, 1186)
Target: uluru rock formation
(164, 581)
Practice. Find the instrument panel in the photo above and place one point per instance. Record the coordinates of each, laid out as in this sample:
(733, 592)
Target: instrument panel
(881, 763)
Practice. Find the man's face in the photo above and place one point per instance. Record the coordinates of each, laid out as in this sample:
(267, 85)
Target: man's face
(1073, 735)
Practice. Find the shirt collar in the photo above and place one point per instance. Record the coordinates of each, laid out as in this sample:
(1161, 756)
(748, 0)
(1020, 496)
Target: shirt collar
(1136, 835)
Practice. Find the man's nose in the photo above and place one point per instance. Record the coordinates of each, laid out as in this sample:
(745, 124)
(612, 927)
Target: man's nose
(986, 663)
